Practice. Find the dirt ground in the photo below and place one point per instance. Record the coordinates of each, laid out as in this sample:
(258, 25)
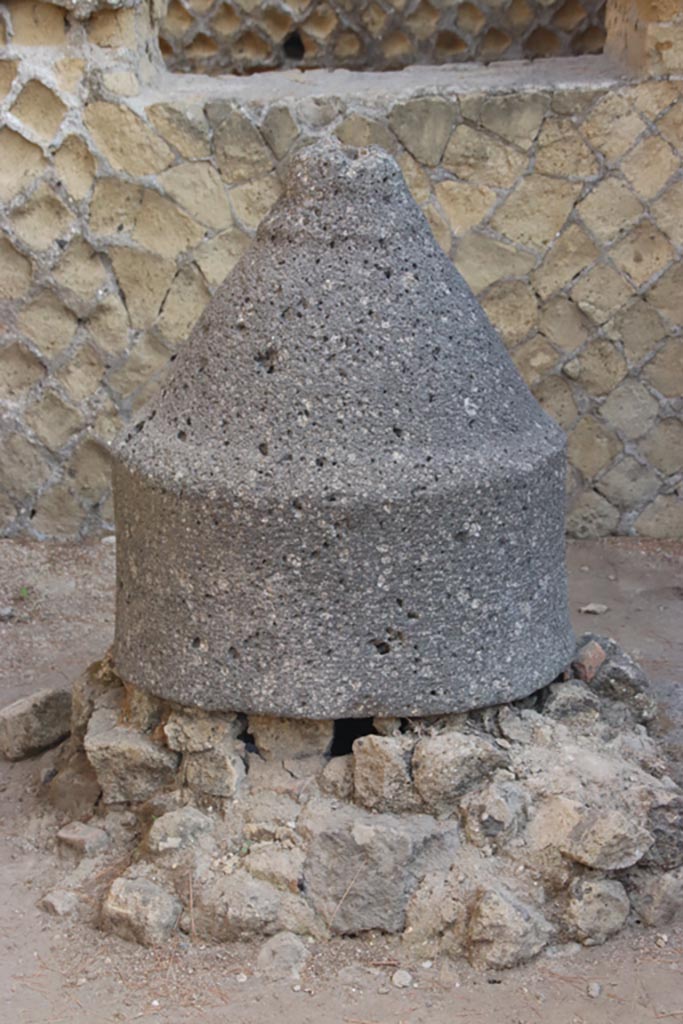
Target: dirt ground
(56, 615)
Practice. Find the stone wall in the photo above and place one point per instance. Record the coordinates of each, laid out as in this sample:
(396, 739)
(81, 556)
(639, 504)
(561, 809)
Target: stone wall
(129, 192)
(246, 35)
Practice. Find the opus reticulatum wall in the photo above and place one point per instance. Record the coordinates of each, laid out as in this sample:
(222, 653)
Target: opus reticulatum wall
(246, 35)
(129, 192)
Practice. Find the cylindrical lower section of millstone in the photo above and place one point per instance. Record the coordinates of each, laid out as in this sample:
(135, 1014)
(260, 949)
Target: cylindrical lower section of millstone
(441, 601)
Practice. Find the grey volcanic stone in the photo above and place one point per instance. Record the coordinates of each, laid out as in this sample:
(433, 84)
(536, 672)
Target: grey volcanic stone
(345, 501)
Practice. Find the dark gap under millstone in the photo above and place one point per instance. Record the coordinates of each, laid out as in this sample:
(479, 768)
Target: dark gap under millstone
(346, 730)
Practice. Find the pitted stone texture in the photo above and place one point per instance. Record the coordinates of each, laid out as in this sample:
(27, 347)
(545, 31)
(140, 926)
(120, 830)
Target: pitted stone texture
(345, 501)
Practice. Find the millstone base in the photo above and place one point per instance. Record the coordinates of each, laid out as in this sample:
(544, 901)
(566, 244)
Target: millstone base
(489, 835)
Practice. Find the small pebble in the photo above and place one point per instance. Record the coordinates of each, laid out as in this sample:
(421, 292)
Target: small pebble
(593, 989)
(594, 609)
(661, 940)
(401, 979)
(240, 978)
(6, 614)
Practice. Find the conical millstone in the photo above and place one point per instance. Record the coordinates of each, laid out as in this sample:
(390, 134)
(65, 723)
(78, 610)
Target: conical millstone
(345, 501)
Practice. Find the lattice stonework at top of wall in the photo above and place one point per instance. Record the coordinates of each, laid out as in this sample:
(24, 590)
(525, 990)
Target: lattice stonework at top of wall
(241, 36)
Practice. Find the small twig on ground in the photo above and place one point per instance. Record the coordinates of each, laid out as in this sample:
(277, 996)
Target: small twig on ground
(193, 930)
(346, 892)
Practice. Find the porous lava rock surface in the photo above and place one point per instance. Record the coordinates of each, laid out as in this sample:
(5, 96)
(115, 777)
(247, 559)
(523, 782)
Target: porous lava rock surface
(345, 501)
(490, 835)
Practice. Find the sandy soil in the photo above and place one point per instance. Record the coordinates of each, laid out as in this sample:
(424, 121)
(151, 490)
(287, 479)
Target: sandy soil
(55, 972)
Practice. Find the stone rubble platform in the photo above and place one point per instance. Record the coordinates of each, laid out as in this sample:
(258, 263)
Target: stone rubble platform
(490, 835)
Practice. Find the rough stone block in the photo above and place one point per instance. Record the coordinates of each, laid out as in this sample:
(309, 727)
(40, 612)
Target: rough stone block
(503, 931)
(361, 868)
(130, 767)
(597, 909)
(445, 767)
(139, 910)
(381, 773)
(34, 723)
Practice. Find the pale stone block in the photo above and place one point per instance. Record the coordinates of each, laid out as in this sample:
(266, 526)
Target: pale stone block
(572, 253)
(251, 202)
(39, 109)
(667, 211)
(512, 307)
(241, 153)
(15, 271)
(199, 189)
(561, 151)
(667, 294)
(125, 140)
(163, 229)
(600, 293)
(53, 421)
(592, 516)
(20, 369)
(649, 166)
(663, 446)
(535, 212)
(147, 359)
(644, 252)
(612, 126)
(90, 469)
(534, 359)
(217, 256)
(556, 397)
(82, 375)
(663, 518)
(20, 162)
(360, 131)
(8, 71)
(108, 325)
(601, 366)
(482, 260)
(665, 371)
(186, 299)
(515, 117)
(440, 229)
(69, 72)
(144, 279)
(591, 447)
(114, 207)
(113, 28)
(38, 24)
(280, 130)
(81, 271)
(609, 209)
(75, 166)
(42, 219)
(475, 156)
(671, 125)
(423, 126)
(184, 130)
(464, 204)
(23, 467)
(631, 409)
(416, 178)
(563, 323)
(58, 513)
(638, 326)
(628, 483)
(48, 323)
